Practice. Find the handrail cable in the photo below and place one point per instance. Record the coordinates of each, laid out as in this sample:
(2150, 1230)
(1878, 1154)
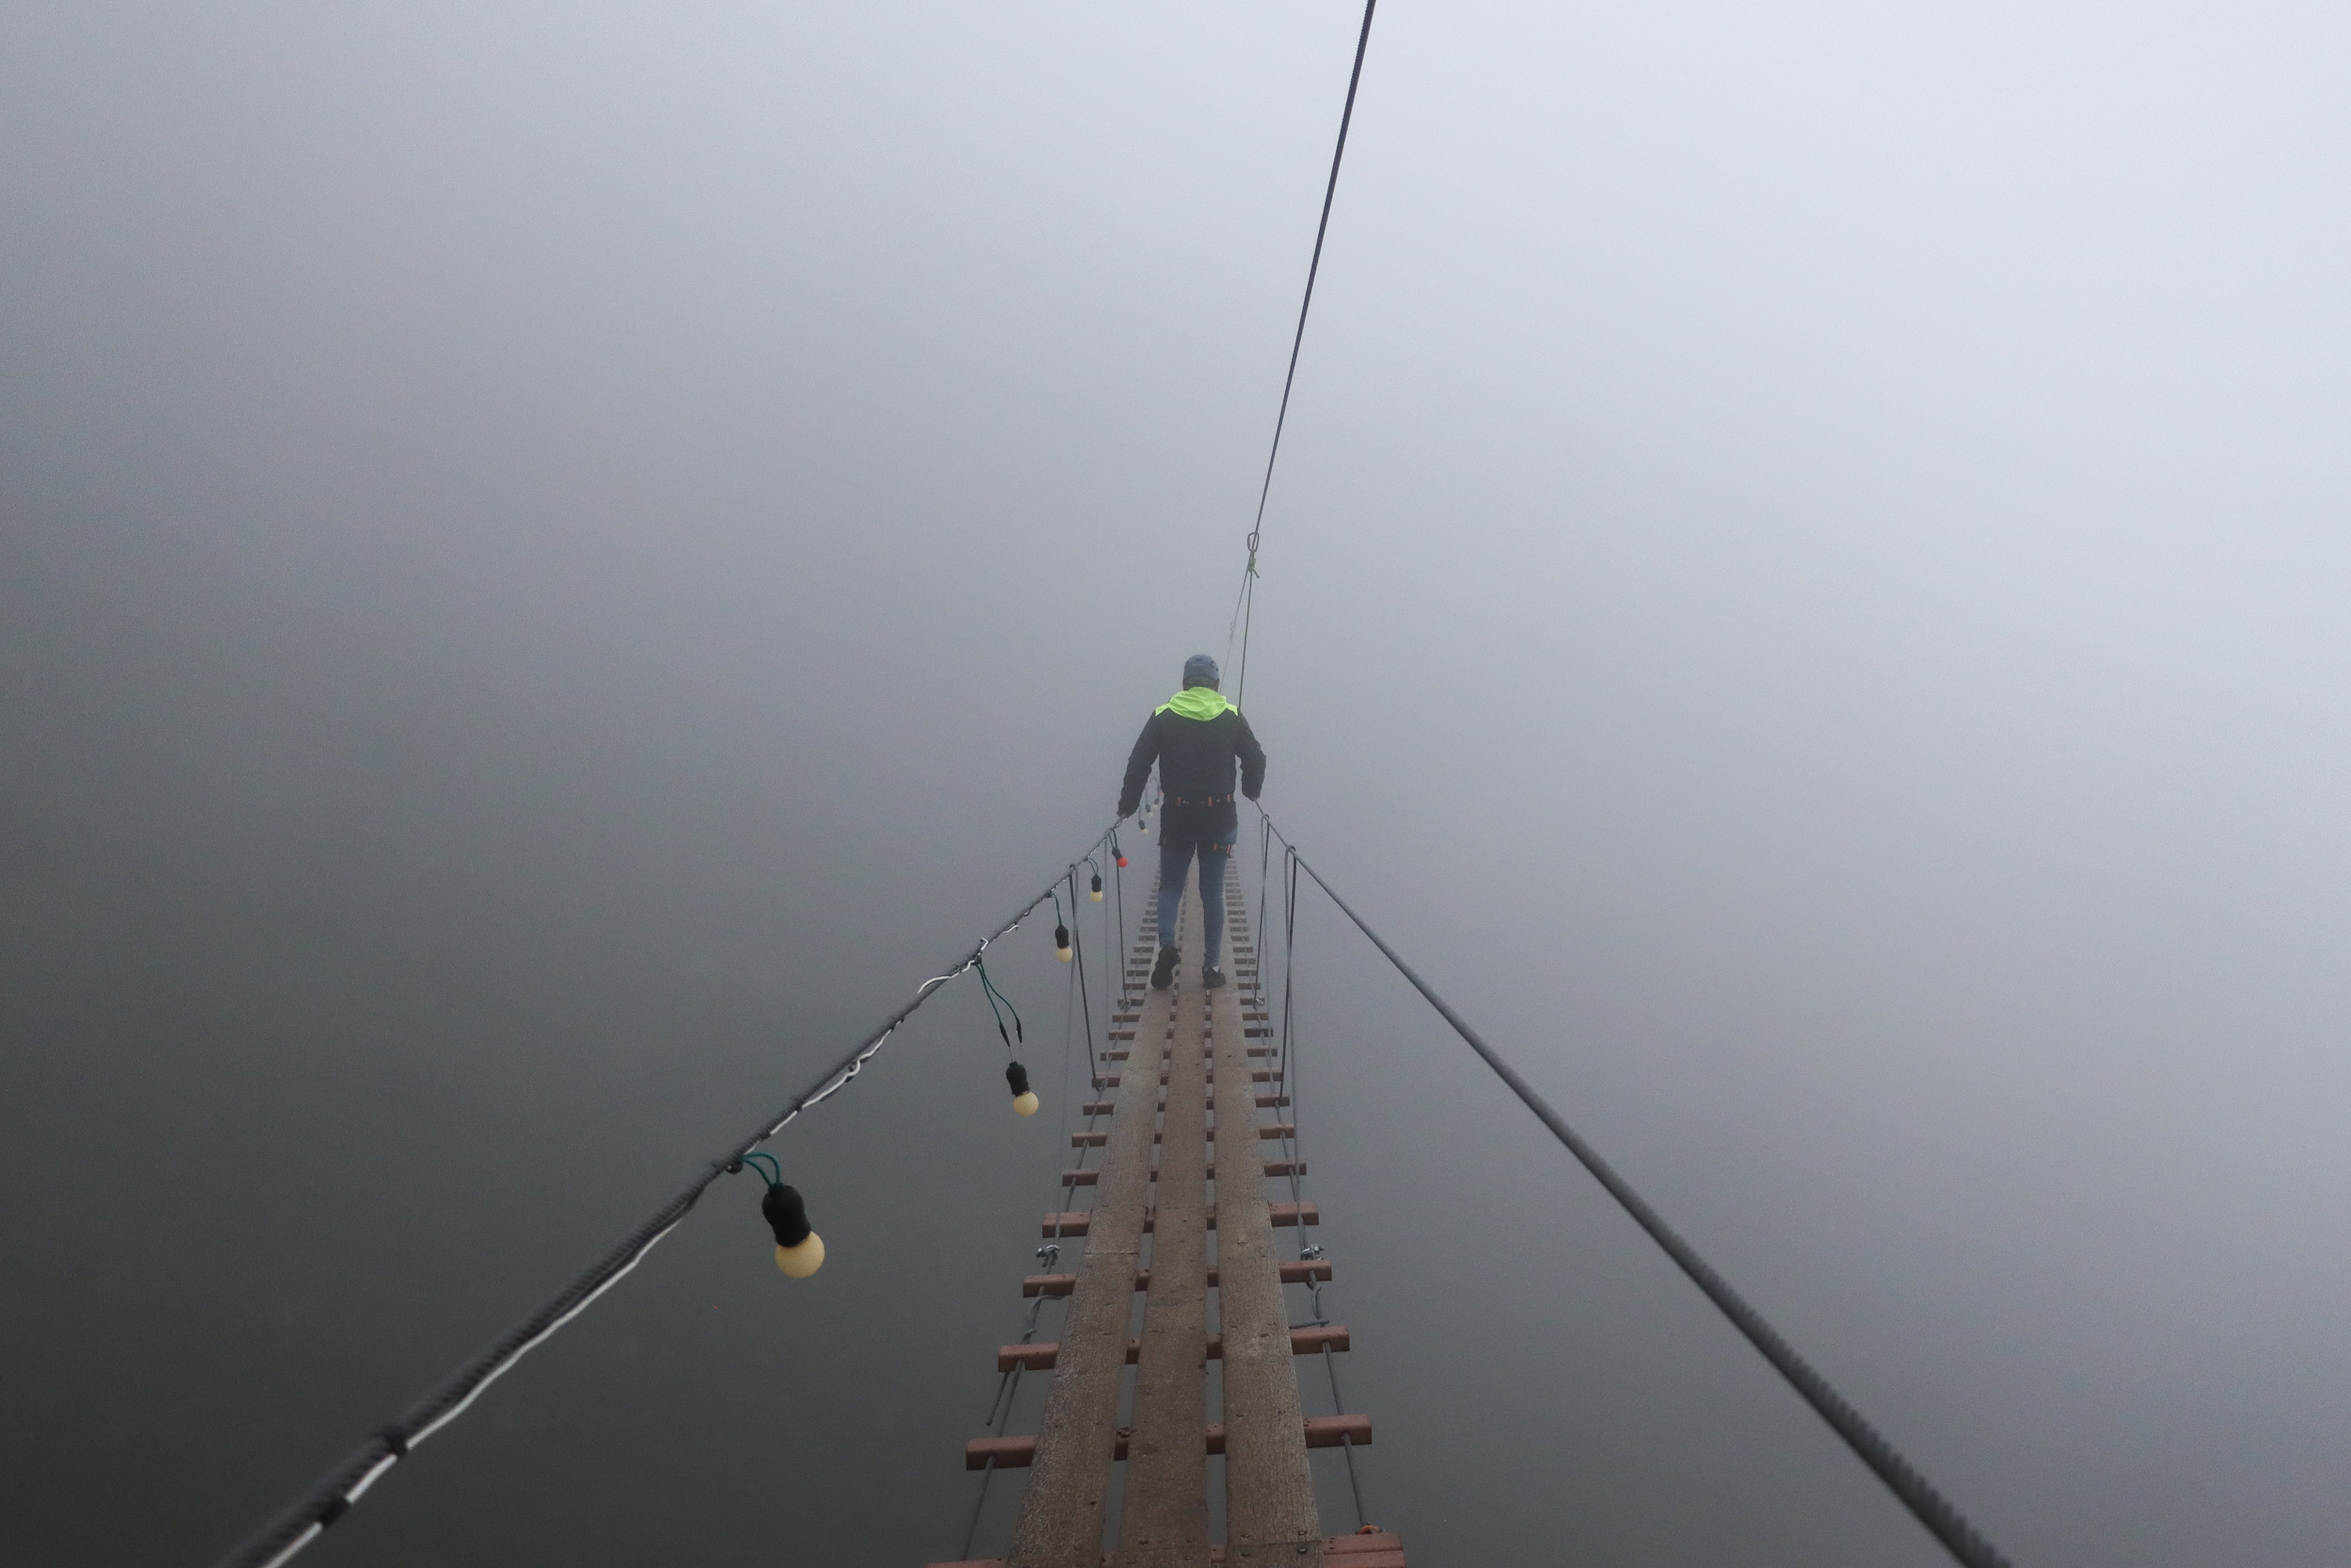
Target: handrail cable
(333, 1495)
(1929, 1506)
(1293, 1146)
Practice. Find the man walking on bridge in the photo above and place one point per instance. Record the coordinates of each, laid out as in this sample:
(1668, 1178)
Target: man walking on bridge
(1195, 737)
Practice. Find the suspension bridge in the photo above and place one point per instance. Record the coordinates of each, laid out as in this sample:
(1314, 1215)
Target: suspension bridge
(1186, 1298)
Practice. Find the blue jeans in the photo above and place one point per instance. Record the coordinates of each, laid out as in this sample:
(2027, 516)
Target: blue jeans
(1173, 860)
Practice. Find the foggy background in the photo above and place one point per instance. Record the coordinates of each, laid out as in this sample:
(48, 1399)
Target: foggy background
(559, 559)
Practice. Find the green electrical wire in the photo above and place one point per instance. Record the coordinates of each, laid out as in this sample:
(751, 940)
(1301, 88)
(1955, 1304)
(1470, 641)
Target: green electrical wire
(994, 997)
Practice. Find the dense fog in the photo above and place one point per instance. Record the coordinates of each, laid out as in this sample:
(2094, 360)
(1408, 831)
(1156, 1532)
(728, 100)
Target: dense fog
(557, 560)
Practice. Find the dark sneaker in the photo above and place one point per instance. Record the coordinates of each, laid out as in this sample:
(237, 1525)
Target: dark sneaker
(1212, 977)
(1162, 973)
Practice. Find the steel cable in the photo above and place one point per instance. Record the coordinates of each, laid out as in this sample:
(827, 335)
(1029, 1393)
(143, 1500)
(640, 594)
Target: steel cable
(331, 1496)
(1245, 605)
(1943, 1520)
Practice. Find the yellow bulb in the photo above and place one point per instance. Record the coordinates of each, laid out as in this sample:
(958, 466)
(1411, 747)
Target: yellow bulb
(1097, 896)
(798, 1262)
(1025, 1104)
(1064, 954)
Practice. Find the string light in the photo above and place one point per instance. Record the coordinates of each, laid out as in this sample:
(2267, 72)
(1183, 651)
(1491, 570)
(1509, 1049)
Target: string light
(800, 1250)
(1024, 1098)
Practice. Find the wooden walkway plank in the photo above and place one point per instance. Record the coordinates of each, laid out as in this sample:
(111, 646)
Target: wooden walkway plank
(1075, 1221)
(1374, 1549)
(1164, 1513)
(1318, 1432)
(1061, 1513)
(1062, 1284)
(1270, 1511)
(1038, 1355)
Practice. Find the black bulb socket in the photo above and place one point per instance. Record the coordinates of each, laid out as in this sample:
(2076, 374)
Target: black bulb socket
(1018, 1076)
(785, 1213)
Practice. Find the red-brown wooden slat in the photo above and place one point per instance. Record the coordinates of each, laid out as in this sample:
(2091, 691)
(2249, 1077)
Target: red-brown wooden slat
(1084, 1177)
(1061, 1284)
(1038, 1355)
(1261, 1076)
(1270, 1130)
(1015, 1453)
(1105, 1108)
(1076, 1221)
(1378, 1549)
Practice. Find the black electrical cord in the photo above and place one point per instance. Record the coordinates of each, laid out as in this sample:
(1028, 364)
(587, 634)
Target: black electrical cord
(1929, 1506)
(331, 1496)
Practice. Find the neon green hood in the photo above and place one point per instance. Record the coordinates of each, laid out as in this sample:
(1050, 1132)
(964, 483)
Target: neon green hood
(1197, 701)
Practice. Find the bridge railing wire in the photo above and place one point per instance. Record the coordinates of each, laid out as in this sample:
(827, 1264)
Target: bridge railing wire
(1943, 1520)
(330, 1497)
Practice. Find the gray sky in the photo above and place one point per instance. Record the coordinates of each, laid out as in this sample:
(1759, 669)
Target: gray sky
(557, 560)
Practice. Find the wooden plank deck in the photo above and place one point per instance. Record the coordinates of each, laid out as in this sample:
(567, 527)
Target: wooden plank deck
(1160, 1180)
(1164, 1516)
(1061, 1515)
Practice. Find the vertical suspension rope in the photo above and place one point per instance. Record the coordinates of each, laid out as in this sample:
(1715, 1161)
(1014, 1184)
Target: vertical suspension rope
(1293, 1143)
(1077, 940)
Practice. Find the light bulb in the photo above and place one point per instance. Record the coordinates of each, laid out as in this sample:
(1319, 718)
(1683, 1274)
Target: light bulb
(1024, 1098)
(798, 1262)
(1024, 1104)
(799, 1252)
(1061, 949)
(1097, 887)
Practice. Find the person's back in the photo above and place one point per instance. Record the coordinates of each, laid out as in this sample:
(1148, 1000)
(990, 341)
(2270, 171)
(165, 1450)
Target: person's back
(1196, 737)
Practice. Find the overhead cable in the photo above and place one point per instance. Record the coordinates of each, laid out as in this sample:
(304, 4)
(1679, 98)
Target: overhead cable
(333, 1495)
(1929, 1506)
(1247, 600)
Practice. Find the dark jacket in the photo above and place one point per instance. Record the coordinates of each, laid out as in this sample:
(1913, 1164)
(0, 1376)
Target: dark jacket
(1195, 757)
